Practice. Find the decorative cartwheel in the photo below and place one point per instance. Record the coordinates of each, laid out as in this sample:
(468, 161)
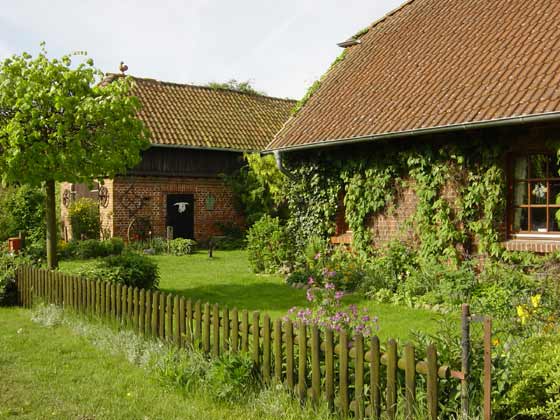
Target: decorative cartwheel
(103, 196)
(66, 198)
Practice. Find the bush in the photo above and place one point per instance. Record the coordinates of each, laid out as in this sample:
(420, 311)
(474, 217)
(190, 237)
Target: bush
(231, 377)
(85, 219)
(91, 248)
(23, 209)
(8, 267)
(181, 246)
(129, 269)
(268, 245)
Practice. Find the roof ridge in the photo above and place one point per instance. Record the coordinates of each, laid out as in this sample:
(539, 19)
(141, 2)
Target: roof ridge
(112, 77)
(383, 18)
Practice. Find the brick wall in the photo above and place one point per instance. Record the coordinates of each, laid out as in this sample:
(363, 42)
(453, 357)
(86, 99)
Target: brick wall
(146, 197)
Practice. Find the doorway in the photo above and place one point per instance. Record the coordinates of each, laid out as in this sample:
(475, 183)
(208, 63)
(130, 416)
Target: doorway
(180, 215)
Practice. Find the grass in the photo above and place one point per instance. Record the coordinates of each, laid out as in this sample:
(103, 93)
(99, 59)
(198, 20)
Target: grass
(227, 279)
(57, 373)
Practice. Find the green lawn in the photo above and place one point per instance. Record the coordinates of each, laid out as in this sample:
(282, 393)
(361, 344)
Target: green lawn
(227, 279)
(56, 373)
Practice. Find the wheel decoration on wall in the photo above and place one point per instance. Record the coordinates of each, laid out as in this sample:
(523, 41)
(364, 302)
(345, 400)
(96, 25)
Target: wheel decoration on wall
(66, 198)
(103, 195)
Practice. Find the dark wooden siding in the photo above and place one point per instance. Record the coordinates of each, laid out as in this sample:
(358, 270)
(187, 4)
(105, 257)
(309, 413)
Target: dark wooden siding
(171, 161)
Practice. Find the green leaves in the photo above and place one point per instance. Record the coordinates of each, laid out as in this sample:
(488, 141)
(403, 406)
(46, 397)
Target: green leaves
(57, 124)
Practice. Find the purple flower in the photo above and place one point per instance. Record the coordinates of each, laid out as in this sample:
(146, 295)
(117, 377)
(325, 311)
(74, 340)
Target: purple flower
(366, 318)
(354, 309)
(331, 273)
(292, 309)
(329, 286)
(317, 256)
(310, 296)
(339, 295)
(310, 281)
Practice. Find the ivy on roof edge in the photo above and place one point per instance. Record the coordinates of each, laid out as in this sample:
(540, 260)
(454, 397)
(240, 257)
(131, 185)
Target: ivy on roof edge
(315, 86)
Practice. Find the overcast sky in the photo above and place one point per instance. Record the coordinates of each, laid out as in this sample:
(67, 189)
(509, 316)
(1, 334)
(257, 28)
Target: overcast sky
(282, 46)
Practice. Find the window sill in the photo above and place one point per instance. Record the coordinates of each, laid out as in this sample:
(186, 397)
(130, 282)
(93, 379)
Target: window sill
(533, 245)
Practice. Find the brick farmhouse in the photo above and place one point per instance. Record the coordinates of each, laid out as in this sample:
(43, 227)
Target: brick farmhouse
(198, 134)
(442, 71)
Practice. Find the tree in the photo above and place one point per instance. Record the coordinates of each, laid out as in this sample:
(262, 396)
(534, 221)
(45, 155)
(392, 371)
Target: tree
(59, 123)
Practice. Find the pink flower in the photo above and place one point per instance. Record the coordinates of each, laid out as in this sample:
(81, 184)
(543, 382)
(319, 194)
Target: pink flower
(317, 256)
(310, 281)
(339, 295)
(310, 296)
(329, 286)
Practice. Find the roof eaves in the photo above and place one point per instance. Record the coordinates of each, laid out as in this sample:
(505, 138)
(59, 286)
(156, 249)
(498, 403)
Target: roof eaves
(517, 120)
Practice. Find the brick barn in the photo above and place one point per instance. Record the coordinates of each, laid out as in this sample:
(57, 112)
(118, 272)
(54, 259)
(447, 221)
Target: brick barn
(442, 72)
(198, 134)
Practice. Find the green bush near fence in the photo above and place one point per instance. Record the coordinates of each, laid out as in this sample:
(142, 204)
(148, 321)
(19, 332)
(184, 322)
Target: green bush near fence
(268, 245)
(129, 269)
(182, 246)
(85, 219)
(91, 248)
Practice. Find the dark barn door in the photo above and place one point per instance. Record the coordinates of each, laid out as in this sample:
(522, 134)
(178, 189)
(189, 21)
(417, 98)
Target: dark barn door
(180, 215)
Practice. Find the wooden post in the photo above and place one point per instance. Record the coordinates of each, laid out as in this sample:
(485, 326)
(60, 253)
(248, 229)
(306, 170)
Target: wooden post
(278, 350)
(225, 326)
(169, 318)
(256, 339)
(343, 374)
(245, 331)
(465, 359)
(161, 315)
(392, 360)
(206, 334)
(177, 321)
(302, 368)
(432, 383)
(410, 381)
(375, 377)
(197, 324)
(266, 349)
(189, 332)
(148, 312)
(181, 324)
(359, 376)
(487, 368)
(216, 331)
(315, 364)
(234, 330)
(329, 368)
(142, 311)
(155, 314)
(136, 310)
(290, 355)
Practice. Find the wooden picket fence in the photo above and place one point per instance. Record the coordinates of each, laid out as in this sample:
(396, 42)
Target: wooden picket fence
(354, 375)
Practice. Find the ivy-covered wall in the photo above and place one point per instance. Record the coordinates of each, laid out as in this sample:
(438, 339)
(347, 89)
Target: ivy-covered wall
(444, 194)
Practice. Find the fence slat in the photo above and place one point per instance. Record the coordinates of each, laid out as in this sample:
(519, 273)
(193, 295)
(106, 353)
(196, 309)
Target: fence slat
(432, 382)
(234, 330)
(119, 301)
(189, 325)
(142, 311)
(181, 313)
(136, 310)
(130, 307)
(391, 379)
(266, 349)
(169, 317)
(225, 335)
(278, 350)
(161, 316)
(359, 376)
(315, 364)
(256, 339)
(154, 304)
(206, 338)
(410, 381)
(290, 381)
(302, 365)
(216, 331)
(197, 323)
(343, 374)
(148, 314)
(329, 368)
(245, 331)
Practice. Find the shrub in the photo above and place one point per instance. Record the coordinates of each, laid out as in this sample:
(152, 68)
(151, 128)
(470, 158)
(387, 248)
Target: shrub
(129, 269)
(85, 219)
(23, 209)
(181, 246)
(268, 245)
(231, 377)
(8, 290)
(91, 248)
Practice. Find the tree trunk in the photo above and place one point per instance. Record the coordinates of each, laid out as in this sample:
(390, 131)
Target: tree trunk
(52, 261)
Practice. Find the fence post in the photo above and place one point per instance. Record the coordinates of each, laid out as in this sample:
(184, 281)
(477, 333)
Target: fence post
(206, 335)
(290, 355)
(375, 377)
(359, 376)
(266, 349)
(216, 331)
(256, 341)
(410, 381)
(465, 359)
(343, 373)
(234, 330)
(278, 350)
(487, 368)
(225, 326)
(302, 368)
(392, 360)
(432, 383)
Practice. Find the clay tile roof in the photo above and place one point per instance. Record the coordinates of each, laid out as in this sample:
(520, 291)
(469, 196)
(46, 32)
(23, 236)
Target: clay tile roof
(203, 117)
(437, 63)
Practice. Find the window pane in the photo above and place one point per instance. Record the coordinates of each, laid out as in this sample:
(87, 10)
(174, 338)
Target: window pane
(554, 219)
(538, 166)
(520, 219)
(538, 192)
(553, 167)
(538, 220)
(520, 168)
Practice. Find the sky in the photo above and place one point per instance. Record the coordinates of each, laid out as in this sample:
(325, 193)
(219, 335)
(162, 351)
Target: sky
(281, 46)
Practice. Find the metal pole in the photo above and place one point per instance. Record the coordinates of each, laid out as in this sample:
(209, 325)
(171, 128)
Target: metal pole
(465, 359)
(487, 368)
